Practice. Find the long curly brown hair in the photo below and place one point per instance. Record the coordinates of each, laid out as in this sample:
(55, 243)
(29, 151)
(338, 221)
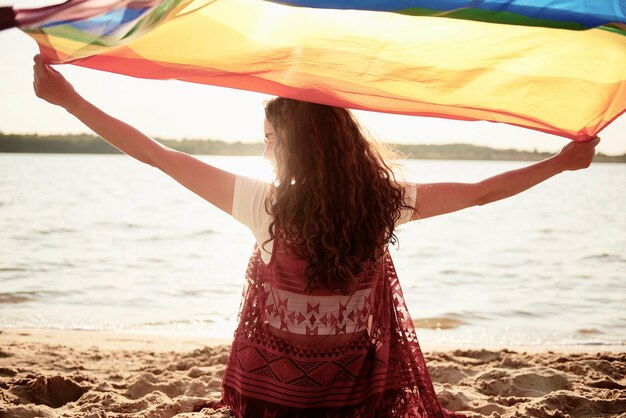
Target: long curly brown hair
(335, 198)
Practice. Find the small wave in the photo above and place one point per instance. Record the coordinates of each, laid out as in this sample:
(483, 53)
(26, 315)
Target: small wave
(588, 331)
(22, 297)
(194, 292)
(176, 322)
(550, 231)
(605, 257)
(467, 315)
(23, 238)
(438, 323)
(10, 298)
(13, 269)
(160, 238)
(204, 232)
(54, 231)
(155, 260)
(599, 343)
(517, 313)
(455, 272)
(180, 236)
(122, 225)
(57, 264)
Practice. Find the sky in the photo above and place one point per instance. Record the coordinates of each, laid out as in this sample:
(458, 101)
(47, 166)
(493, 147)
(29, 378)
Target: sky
(177, 110)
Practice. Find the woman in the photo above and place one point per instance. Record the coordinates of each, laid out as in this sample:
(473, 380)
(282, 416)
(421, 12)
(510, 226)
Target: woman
(324, 330)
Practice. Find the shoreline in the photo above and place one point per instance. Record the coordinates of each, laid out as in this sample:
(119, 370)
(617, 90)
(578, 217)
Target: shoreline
(120, 340)
(107, 340)
(52, 373)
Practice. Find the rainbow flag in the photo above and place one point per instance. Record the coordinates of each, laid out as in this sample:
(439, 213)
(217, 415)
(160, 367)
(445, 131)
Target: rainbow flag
(557, 66)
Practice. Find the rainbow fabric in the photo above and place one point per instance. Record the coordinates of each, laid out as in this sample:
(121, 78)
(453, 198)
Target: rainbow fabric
(557, 66)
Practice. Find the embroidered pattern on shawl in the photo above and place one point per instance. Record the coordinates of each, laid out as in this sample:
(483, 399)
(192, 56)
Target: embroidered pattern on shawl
(381, 372)
(316, 315)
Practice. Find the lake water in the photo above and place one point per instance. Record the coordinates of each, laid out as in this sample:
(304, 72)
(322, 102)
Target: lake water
(104, 242)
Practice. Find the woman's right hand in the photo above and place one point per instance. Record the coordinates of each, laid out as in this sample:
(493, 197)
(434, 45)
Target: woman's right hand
(578, 155)
(51, 86)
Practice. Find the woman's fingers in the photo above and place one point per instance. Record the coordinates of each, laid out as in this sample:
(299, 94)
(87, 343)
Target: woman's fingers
(38, 69)
(49, 84)
(41, 69)
(586, 155)
(38, 65)
(577, 155)
(593, 141)
(52, 70)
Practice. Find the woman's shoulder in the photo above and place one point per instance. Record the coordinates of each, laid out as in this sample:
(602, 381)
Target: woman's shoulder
(251, 183)
(249, 201)
(409, 202)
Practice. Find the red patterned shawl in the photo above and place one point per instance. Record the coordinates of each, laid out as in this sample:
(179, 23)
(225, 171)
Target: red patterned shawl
(322, 354)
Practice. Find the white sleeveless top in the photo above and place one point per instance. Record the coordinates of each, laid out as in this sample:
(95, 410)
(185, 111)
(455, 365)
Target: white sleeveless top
(249, 209)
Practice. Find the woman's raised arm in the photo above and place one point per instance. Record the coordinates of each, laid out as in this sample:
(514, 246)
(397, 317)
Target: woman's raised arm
(212, 184)
(439, 198)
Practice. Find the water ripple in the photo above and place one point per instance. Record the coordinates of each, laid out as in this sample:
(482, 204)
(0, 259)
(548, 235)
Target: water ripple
(22, 297)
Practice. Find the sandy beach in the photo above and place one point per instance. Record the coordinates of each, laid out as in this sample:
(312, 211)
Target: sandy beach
(46, 373)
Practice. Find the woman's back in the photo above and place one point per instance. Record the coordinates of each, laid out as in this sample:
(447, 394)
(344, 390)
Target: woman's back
(321, 353)
(323, 327)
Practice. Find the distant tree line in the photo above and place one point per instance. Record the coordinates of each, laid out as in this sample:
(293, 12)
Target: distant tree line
(90, 144)
(467, 152)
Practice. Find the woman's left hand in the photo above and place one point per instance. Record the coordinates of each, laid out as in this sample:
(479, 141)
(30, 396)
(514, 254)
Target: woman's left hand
(51, 86)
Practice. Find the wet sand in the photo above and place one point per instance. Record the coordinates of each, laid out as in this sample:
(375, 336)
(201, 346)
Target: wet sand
(46, 373)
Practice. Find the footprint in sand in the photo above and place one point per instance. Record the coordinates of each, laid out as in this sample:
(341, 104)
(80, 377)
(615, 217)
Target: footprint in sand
(477, 357)
(573, 405)
(7, 372)
(522, 384)
(53, 391)
(608, 367)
